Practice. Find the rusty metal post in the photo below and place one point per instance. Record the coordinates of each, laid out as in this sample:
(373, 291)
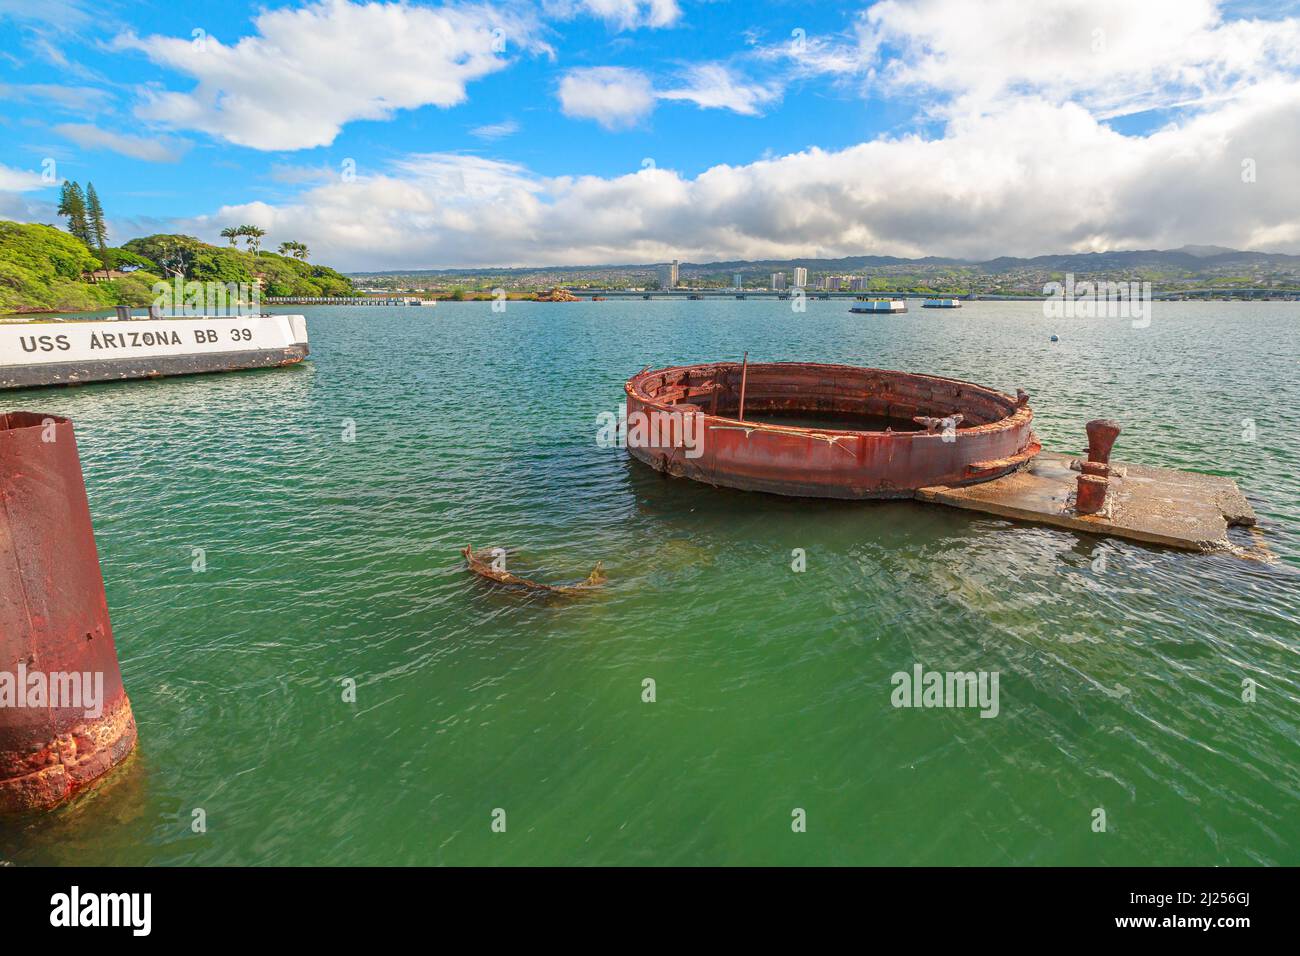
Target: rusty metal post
(744, 372)
(54, 625)
(1102, 433)
(1091, 497)
(1094, 480)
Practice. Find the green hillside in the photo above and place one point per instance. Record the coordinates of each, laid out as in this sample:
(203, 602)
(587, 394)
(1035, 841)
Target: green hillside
(43, 269)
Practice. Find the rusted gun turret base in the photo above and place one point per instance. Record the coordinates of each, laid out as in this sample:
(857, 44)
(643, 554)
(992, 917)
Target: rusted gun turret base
(1177, 509)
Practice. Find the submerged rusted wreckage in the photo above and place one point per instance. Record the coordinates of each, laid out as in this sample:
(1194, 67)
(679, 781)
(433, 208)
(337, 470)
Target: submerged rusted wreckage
(490, 563)
(840, 431)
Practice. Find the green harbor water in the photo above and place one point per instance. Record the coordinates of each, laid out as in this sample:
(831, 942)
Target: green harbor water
(1121, 666)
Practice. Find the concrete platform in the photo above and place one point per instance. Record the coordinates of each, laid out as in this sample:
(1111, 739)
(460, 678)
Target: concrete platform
(1177, 509)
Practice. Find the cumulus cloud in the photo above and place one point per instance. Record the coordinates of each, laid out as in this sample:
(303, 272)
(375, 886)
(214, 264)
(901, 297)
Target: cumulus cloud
(613, 96)
(1113, 56)
(20, 180)
(993, 184)
(154, 149)
(310, 70)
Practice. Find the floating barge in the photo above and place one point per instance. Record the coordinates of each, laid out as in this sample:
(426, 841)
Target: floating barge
(74, 351)
(941, 304)
(879, 306)
(893, 432)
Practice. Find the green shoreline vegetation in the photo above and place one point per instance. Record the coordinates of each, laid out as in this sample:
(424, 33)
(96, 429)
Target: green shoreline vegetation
(45, 269)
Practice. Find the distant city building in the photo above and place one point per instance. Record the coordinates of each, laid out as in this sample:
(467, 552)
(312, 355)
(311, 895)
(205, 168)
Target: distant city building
(858, 284)
(800, 277)
(778, 280)
(668, 276)
(737, 281)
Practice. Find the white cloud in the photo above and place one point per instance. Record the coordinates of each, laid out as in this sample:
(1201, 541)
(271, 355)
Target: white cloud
(20, 180)
(154, 149)
(993, 184)
(64, 15)
(83, 99)
(1112, 56)
(613, 96)
(308, 71)
(620, 14)
(619, 97)
(714, 86)
(495, 130)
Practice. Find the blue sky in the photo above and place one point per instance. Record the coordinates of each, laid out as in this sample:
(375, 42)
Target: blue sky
(568, 131)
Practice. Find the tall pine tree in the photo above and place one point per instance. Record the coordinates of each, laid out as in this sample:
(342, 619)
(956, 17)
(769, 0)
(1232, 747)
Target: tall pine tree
(72, 203)
(98, 232)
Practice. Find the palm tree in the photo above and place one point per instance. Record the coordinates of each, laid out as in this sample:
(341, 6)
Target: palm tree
(232, 233)
(296, 249)
(254, 236)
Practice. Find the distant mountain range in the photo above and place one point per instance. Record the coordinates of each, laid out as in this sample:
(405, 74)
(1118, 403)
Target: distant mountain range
(1187, 258)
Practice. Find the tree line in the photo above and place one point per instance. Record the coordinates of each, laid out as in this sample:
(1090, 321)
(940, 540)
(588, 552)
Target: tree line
(85, 214)
(253, 236)
(85, 218)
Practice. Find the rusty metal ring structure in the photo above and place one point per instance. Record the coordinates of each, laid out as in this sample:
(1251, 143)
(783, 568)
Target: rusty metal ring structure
(987, 435)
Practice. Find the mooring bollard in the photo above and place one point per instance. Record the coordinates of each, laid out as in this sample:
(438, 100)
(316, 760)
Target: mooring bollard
(1091, 498)
(1102, 433)
(65, 719)
(1094, 481)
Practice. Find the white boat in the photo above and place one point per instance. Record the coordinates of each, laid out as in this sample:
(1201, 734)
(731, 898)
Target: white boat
(72, 351)
(879, 306)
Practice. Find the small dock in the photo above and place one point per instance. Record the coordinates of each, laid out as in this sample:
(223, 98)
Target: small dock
(1162, 506)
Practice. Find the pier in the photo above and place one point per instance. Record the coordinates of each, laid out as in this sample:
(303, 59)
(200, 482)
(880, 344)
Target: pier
(346, 300)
